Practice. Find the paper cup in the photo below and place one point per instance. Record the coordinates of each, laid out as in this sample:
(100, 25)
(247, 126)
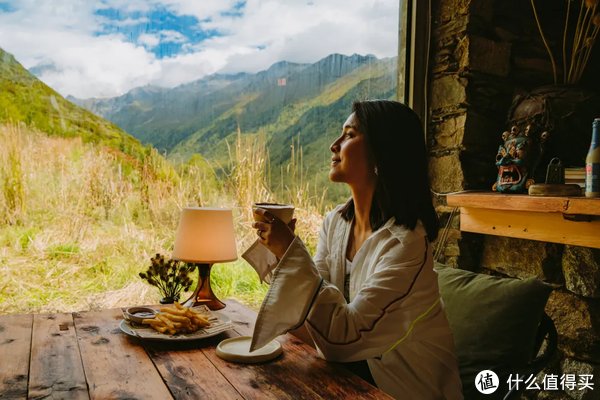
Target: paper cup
(284, 212)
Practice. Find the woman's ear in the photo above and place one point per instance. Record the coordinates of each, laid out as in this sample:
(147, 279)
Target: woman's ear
(292, 224)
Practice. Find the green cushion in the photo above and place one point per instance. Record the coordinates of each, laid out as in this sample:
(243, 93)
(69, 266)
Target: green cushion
(494, 321)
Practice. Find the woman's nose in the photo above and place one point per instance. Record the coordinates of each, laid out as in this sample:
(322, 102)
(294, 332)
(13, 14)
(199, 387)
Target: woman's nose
(335, 146)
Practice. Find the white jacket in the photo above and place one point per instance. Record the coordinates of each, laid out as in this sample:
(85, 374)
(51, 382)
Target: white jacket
(395, 318)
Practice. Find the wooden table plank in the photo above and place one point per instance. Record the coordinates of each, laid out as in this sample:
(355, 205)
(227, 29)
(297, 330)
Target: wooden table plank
(187, 371)
(255, 381)
(298, 373)
(329, 380)
(114, 368)
(242, 317)
(56, 368)
(15, 342)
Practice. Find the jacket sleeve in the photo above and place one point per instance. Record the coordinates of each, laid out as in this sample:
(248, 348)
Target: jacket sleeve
(295, 282)
(321, 259)
(399, 292)
(389, 303)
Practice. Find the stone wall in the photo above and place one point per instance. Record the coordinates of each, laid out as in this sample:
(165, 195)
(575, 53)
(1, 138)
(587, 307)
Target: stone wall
(483, 53)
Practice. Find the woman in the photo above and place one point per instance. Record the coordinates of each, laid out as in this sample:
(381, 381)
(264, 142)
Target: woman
(370, 293)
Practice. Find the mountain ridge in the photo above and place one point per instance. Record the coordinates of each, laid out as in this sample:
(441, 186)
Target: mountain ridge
(184, 110)
(26, 99)
(290, 104)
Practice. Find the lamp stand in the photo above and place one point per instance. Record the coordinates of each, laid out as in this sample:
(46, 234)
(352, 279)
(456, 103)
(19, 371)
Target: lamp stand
(203, 293)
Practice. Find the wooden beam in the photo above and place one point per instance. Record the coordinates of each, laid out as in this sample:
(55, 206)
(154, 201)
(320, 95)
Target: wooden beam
(547, 227)
(523, 202)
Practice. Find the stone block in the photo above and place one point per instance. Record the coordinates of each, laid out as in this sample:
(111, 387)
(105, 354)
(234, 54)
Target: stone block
(490, 95)
(452, 250)
(521, 258)
(579, 368)
(448, 91)
(483, 133)
(482, 10)
(581, 268)
(488, 56)
(551, 368)
(479, 171)
(446, 173)
(450, 10)
(450, 132)
(550, 395)
(577, 321)
(471, 246)
(533, 70)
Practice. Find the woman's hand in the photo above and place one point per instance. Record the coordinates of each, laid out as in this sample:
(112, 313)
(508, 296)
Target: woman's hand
(272, 232)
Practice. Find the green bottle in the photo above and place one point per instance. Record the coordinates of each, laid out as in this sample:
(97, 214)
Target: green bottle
(592, 163)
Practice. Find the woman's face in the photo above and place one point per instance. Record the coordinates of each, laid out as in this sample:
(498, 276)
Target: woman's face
(350, 162)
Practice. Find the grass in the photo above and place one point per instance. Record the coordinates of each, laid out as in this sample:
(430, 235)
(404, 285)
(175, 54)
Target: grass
(78, 223)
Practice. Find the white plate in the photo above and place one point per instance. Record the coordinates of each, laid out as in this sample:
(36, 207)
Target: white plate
(218, 323)
(238, 350)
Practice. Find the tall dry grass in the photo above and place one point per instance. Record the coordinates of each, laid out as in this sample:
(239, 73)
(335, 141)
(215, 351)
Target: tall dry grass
(79, 222)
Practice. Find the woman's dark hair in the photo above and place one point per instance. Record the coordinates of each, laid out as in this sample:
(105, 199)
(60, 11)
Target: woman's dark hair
(397, 144)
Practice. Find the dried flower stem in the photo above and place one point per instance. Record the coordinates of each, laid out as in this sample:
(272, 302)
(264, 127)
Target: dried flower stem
(584, 38)
(537, 20)
(564, 47)
(589, 34)
(577, 42)
(169, 276)
(588, 51)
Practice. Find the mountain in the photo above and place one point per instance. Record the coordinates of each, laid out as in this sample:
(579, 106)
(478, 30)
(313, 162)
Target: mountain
(289, 103)
(26, 99)
(165, 117)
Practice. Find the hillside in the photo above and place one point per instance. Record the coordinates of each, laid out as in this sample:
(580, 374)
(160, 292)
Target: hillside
(290, 104)
(77, 225)
(24, 98)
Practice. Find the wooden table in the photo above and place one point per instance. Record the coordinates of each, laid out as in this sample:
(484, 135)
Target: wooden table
(84, 355)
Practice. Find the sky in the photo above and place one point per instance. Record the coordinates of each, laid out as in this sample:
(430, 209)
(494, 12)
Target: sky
(104, 48)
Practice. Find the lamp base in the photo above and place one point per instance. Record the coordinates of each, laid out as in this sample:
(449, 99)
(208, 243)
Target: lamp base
(203, 293)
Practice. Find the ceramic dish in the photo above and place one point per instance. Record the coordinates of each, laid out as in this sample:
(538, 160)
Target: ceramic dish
(138, 314)
(218, 323)
(238, 350)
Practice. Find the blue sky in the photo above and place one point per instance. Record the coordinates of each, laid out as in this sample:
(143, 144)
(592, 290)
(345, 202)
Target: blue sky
(159, 30)
(104, 48)
(5, 7)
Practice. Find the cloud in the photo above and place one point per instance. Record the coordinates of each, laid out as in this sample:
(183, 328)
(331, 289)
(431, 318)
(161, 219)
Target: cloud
(149, 40)
(172, 36)
(208, 36)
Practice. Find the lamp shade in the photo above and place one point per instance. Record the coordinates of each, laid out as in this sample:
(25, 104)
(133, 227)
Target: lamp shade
(205, 235)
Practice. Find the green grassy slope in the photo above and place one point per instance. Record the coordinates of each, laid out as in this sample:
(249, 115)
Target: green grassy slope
(204, 117)
(307, 119)
(25, 99)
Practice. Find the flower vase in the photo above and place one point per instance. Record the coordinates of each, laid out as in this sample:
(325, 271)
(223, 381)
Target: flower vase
(167, 300)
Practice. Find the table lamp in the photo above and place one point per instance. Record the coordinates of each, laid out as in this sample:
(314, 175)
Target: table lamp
(205, 236)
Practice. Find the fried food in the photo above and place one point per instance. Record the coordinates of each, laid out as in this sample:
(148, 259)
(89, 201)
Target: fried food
(177, 319)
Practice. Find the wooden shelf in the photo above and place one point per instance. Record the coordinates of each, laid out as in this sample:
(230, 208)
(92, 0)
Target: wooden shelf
(568, 220)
